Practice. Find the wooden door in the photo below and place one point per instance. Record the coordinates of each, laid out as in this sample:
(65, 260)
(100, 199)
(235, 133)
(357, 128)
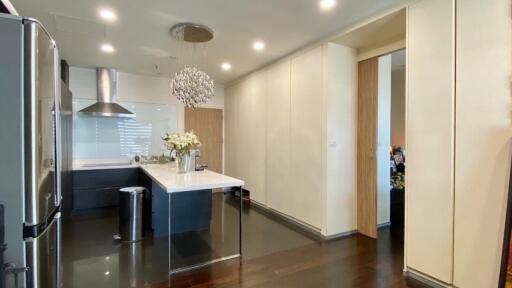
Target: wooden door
(207, 125)
(366, 148)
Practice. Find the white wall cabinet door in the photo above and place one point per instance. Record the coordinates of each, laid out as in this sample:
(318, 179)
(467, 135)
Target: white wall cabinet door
(306, 139)
(231, 117)
(430, 139)
(251, 154)
(483, 139)
(279, 191)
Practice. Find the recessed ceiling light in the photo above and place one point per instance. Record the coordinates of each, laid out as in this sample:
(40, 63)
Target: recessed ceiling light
(327, 4)
(107, 14)
(258, 45)
(107, 48)
(226, 66)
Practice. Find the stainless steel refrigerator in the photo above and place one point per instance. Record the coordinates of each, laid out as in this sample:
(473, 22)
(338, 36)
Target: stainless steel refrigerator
(30, 196)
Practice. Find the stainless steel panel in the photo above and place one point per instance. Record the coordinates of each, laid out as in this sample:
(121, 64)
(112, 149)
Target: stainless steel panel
(43, 257)
(11, 125)
(40, 124)
(58, 130)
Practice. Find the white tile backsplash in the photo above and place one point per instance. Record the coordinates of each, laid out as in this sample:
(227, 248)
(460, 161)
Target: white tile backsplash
(122, 138)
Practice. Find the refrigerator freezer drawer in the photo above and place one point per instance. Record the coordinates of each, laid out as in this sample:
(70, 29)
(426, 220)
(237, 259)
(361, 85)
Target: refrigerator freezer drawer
(43, 257)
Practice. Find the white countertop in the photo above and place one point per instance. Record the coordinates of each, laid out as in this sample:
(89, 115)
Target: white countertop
(172, 182)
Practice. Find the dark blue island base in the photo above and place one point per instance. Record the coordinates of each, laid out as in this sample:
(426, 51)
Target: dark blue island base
(189, 211)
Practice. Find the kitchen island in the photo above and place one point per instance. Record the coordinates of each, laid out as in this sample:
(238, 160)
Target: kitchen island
(186, 198)
(182, 209)
(194, 216)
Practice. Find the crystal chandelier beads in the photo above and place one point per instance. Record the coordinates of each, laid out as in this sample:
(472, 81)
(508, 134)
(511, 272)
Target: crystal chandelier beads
(192, 87)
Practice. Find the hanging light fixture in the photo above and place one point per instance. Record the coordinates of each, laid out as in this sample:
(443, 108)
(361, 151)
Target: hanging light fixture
(191, 85)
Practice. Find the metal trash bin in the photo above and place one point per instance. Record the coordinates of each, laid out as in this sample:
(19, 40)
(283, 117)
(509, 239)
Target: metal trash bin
(131, 211)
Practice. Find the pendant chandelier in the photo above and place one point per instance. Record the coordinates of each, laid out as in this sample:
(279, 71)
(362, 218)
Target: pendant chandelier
(191, 85)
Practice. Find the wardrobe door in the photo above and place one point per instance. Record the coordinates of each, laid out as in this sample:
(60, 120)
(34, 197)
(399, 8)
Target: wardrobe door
(306, 166)
(484, 58)
(430, 139)
(279, 190)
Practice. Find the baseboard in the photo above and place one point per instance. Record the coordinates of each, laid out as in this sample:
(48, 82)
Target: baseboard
(295, 223)
(425, 279)
(384, 225)
(292, 222)
(339, 235)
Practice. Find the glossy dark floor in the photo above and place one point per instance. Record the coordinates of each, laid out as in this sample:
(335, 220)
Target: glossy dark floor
(354, 261)
(92, 259)
(276, 254)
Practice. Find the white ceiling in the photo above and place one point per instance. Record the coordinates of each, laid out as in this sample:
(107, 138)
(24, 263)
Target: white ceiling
(141, 39)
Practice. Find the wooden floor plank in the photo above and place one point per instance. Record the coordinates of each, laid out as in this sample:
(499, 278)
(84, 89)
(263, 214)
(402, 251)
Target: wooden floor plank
(354, 261)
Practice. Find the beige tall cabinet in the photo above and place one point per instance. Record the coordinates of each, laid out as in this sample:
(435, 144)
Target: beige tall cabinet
(245, 119)
(278, 138)
(280, 146)
(483, 133)
(430, 139)
(458, 139)
(306, 139)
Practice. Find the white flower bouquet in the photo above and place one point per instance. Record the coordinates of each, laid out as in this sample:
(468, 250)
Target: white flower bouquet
(181, 144)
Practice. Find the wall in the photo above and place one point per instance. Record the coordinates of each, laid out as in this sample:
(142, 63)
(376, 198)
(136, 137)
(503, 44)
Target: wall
(383, 139)
(483, 131)
(398, 108)
(140, 93)
(430, 139)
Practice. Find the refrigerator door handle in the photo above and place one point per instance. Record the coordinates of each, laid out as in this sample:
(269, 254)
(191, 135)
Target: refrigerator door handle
(56, 119)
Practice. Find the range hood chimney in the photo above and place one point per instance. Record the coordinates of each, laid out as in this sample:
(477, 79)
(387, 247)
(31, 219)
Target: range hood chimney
(106, 106)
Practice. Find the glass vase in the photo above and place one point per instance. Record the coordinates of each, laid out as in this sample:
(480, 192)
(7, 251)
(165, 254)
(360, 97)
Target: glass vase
(182, 162)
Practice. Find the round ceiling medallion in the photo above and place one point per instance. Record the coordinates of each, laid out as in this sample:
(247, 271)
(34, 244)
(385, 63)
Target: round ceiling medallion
(191, 32)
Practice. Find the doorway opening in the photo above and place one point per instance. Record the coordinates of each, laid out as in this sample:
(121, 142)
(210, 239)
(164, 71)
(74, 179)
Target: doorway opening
(390, 149)
(380, 46)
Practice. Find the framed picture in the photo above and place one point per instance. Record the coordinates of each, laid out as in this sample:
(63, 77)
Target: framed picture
(506, 254)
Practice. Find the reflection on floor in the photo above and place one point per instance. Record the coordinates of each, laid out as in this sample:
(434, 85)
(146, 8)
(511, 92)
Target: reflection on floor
(91, 258)
(353, 261)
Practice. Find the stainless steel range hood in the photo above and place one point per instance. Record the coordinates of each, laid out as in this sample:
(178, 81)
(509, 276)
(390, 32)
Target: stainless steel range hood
(107, 97)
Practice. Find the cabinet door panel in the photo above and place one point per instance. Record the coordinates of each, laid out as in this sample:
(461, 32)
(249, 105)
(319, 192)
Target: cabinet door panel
(252, 118)
(279, 191)
(430, 113)
(95, 198)
(231, 116)
(306, 137)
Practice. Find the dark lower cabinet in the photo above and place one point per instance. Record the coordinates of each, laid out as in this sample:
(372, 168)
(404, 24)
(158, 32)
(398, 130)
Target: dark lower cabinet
(93, 189)
(86, 199)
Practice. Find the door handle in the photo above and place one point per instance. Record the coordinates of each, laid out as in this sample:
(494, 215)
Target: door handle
(56, 119)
